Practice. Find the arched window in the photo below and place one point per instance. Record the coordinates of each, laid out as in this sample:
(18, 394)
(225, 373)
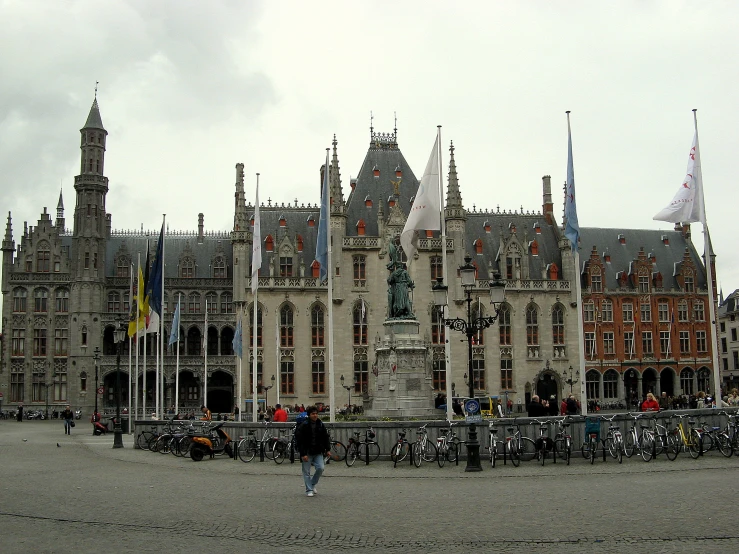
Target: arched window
(43, 257)
(504, 325)
(194, 341)
(286, 327)
(686, 380)
(317, 326)
(211, 302)
(558, 326)
(359, 317)
(114, 302)
(438, 330)
(532, 326)
(477, 312)
(227, 306)
(219, 268)
(610, 384)
(40, 300)
(360, 275)
(227, 338)
(187, 268)
(123, 267)
(193, 303)
(592, 384)
(19, 299)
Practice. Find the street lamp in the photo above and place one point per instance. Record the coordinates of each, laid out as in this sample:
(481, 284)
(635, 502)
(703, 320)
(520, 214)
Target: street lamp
(470, 327)
(572, 379)
(266, 390)
(349, 390)
(96, 357)
(120, 337)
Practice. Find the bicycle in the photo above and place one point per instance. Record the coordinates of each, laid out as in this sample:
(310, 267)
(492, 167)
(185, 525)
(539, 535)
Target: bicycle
(631, 440)
(589, 446)
(688, 439)
(654, 441)
(249, 446)
(493, 444)
(283, 446)
(400, 449)
(716, 438)
(337, 452)
(368, 449)
(544, 444)
(563, 439)
(423, 450)
(523, 447)
(447, 445)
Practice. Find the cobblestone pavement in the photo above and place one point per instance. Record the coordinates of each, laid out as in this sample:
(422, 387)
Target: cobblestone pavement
(83, 496)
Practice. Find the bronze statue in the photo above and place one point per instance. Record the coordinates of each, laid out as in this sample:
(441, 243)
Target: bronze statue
(399, 285)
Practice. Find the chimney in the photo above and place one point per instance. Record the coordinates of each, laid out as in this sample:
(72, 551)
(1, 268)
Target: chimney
(622, 238)
(200, 228)
(548, 206)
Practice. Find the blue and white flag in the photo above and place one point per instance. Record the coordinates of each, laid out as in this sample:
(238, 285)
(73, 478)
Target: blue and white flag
(237, 346)
(572, 227)
(323, 226)
(174, 334)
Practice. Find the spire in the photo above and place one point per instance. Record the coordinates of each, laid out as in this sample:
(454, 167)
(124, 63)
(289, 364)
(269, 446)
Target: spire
(335, 191)
(60, 214)
(94, 121)
(454, 207)
(8, 243)
(240, 200)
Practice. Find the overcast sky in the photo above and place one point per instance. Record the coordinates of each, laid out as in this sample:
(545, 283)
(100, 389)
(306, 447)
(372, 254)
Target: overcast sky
(188, 89)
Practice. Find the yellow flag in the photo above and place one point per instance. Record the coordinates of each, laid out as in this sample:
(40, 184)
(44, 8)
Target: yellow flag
(139, 309)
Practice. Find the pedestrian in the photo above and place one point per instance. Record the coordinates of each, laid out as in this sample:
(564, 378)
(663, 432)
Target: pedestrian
(313, 443)
(280, 415)
(19, 413)
(650, 404)
(206, 413)
(68, 417)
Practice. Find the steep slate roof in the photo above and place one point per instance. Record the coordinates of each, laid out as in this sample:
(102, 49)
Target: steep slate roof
(296, 219)
(94, 121)
(667, 255)
(384, 154)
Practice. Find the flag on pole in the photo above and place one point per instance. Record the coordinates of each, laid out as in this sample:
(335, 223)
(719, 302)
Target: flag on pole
(572, 227)
(256, 247)
(238, 337)
(424, 214)
(154, 284)
(139, 308)
(364, 311)
(205, 335)
(687, 205)
(174, 335)
(323, 226)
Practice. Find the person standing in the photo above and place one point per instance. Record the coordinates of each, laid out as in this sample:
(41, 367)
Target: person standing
(280, 415)
(68, 416)
(313, 443)
(19, 413)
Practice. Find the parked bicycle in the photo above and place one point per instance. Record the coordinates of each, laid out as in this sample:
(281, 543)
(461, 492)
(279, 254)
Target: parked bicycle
(367, 450)
(563, 439)
(447, 445)
(423, 450)
(614, 440)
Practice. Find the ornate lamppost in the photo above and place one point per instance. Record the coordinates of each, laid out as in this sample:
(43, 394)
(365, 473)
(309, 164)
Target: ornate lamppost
(96, 357)
(120, 337)
(471, 327)
(266, 390)
(572, 379)
(349, 390)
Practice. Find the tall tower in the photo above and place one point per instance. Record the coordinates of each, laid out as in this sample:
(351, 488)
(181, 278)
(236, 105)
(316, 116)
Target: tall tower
(87, 253)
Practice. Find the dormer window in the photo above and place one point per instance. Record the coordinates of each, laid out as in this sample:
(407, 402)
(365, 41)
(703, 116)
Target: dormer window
(367, 201)
(300, 243)
(361, 228)
(283, 221)
(269, 244)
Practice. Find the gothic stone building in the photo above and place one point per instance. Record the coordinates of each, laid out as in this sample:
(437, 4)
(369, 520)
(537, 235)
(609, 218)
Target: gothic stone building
(65, 290)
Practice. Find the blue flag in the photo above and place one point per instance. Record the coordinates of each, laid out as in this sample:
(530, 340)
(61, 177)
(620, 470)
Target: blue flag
(154, 283)
(323, 226)
(237, 339)
(572, 227)
(174, 335)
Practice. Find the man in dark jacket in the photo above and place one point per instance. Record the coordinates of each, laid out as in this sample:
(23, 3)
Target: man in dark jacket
(312, 440)
(536, 408)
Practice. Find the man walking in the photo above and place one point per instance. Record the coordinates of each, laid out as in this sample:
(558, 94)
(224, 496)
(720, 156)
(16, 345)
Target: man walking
(313, 442)
(68, 417)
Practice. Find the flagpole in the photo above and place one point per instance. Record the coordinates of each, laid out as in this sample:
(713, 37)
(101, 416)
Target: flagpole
(161, 318)
(136, 336)
(277, 356)
(709, 277)
(177, 360)
(205, 352)
(239, 327)
(156, 366)
(131, 416)
(329, 274)
(447, 346)
(580, 333)
(256, 264)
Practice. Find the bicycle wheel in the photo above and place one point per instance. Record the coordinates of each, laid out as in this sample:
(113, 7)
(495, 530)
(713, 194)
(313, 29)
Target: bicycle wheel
(493, 453)
(247, 450)
(568, 446)
(280, 451)
(630, 445)
(527, 449)
(694, 441)
(513, 454)
(162, 444)
(183, 446)
(417, 454)
(585, 450)
(269, 448)
(351, 454)
(646, 447)
(338, 452)
(142, 441)
(619, 450)
(593, 448)
(441, 454)
(724, 444)
(452, 453)
(374, 450)
(707, 443)
(611, 447)
(400, 452)
(673, 446)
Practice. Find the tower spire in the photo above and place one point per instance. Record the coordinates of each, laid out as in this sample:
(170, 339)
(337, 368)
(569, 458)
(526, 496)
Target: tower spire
(240, 199)
(335, 191)
(8, 243)
(60, 213)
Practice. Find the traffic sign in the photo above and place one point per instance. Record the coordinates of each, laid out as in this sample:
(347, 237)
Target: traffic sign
(101, 390)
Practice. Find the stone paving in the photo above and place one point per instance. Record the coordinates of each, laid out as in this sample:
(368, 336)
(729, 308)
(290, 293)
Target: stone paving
(83, 496)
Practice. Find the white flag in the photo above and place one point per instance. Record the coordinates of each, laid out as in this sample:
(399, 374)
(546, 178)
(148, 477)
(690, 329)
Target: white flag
(425, 213)
(256, 249)
(687, 205)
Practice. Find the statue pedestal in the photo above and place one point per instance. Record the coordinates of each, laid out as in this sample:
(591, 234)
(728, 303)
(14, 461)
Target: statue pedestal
(403, 387)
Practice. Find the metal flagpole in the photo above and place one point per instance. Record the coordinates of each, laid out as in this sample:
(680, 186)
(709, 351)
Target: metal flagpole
(709, 277)
(131, 416)
(329, 274)
(205, 353)
(177, 361)
(256, 237)
(161, 319)
(240, 326)
(136, 336)
(277, 356)
(580, 334)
